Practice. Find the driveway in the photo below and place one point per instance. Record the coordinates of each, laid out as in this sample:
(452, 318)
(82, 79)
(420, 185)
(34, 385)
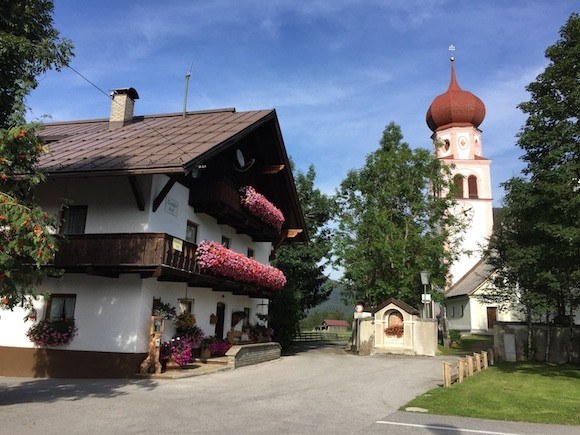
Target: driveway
(316, 390)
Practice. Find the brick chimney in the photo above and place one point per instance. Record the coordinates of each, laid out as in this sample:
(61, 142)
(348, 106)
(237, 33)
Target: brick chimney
(122, 104)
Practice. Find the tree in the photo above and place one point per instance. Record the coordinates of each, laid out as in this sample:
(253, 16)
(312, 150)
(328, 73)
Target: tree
(26, 242)
(303, 264)
(536, 249)
(29, 46)
(395, 220)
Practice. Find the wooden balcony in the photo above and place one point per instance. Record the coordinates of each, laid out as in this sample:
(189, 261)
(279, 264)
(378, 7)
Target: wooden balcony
(220, 198)
(148, 254)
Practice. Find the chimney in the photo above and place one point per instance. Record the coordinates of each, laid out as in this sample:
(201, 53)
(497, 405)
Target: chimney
(122, 107)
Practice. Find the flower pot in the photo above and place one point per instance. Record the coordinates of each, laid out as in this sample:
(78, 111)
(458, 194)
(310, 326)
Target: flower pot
(205, 354)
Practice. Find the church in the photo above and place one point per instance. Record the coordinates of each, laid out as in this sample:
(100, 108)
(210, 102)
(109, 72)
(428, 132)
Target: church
(454, 118)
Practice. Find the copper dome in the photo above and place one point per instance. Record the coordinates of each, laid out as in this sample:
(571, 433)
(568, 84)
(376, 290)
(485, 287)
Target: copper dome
(455, 108)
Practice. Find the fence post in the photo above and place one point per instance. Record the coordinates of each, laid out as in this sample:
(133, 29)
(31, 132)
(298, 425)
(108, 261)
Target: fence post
(477, 362)
(491, 357)
(446, 374)
(460, 369)
(484, 358)
(469, 365)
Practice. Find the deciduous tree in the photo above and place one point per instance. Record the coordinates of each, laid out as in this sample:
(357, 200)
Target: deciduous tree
(303, 264)
(29, 46)
(395, 220)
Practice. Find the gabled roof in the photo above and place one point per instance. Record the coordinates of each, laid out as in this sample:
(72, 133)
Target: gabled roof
(149, 144)
(199, 145)
(471, 281)
(330, 322)
(402, 305)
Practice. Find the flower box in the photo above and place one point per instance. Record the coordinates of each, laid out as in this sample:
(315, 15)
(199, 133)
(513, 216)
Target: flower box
(260, 207)
(395, 330)
(220, 261)
(52, 332)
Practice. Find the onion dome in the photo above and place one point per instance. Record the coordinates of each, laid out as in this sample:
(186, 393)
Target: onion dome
(455, 108)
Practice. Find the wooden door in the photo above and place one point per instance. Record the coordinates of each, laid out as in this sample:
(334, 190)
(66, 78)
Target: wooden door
(491, 317)
(220, 314)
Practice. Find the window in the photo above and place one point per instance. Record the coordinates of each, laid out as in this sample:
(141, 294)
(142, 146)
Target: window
(186, 305)
(226, 241)
(446, 145)
(74, 219)
(472, 186)
(250, 253)
(191, 232)
(61, 307)
(453, 311)
(462, 307)
(458, 183)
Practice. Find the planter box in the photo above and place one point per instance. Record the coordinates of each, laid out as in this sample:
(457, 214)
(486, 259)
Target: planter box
(249, 354)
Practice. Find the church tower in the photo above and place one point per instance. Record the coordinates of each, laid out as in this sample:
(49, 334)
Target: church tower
(454, 117)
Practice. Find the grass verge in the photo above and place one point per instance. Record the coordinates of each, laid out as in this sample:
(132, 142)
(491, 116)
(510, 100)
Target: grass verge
(530, 392)
(468, 344)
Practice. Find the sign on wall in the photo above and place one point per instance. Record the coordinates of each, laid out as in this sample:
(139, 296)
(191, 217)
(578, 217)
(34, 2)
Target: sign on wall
(171, 206)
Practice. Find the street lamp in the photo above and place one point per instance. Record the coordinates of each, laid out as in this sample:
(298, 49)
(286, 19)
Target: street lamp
(426, 298)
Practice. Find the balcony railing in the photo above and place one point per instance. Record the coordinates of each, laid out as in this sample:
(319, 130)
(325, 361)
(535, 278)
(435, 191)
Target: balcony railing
(220, 198)
(149, 254)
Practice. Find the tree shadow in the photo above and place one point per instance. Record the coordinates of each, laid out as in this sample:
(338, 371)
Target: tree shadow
(54, 390)
(310, 346)
(542, 369)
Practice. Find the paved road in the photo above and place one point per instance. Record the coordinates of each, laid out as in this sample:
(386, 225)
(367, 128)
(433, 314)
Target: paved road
(318, 390)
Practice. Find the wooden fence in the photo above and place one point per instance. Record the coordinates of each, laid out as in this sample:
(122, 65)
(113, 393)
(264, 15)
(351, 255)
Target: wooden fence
(315, 336)
(466, 367)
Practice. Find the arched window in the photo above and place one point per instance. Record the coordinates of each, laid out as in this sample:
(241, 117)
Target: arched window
(472, 186)
(458, 183)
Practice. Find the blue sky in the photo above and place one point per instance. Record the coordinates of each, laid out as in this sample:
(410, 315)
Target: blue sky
(336, 71)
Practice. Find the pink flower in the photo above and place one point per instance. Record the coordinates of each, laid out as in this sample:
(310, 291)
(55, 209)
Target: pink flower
(260, 207)
(221, 261)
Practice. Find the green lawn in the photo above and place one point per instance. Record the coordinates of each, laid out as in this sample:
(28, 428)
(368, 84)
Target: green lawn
(531, 392)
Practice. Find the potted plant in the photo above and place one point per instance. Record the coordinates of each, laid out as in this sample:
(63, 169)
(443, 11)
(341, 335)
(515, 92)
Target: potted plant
(163, 309)
(205, 350)
(184, 324)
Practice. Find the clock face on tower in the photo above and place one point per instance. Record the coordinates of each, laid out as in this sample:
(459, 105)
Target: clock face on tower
(463, 143)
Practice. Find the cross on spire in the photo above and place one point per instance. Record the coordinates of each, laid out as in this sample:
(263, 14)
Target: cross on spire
(452, 50)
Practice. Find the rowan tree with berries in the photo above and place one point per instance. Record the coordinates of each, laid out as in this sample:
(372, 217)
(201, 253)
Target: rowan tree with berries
(29, 46)
(26, 239)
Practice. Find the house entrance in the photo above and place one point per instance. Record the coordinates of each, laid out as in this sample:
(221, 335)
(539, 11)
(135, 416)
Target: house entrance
(491, 317)
(220, 314)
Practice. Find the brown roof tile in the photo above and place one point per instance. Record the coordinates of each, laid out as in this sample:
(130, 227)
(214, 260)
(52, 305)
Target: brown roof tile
(152, 143)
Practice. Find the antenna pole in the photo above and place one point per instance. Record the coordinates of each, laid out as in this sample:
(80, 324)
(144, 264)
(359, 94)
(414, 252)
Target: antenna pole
(187, 76)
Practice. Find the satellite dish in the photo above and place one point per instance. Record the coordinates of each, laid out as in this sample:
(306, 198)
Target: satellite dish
(242, 165)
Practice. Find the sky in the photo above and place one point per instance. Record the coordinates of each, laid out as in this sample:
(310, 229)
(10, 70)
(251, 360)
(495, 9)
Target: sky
(336, 71)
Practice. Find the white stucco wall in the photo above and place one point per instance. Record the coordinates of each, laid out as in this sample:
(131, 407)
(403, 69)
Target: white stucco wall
(113, 314)
(112, 209)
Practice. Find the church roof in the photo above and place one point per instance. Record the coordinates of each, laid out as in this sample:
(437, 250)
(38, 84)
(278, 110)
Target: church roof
(471, 281)
(455, 108)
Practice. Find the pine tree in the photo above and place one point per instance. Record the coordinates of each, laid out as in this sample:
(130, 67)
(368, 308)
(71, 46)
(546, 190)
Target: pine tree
(536, 249)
